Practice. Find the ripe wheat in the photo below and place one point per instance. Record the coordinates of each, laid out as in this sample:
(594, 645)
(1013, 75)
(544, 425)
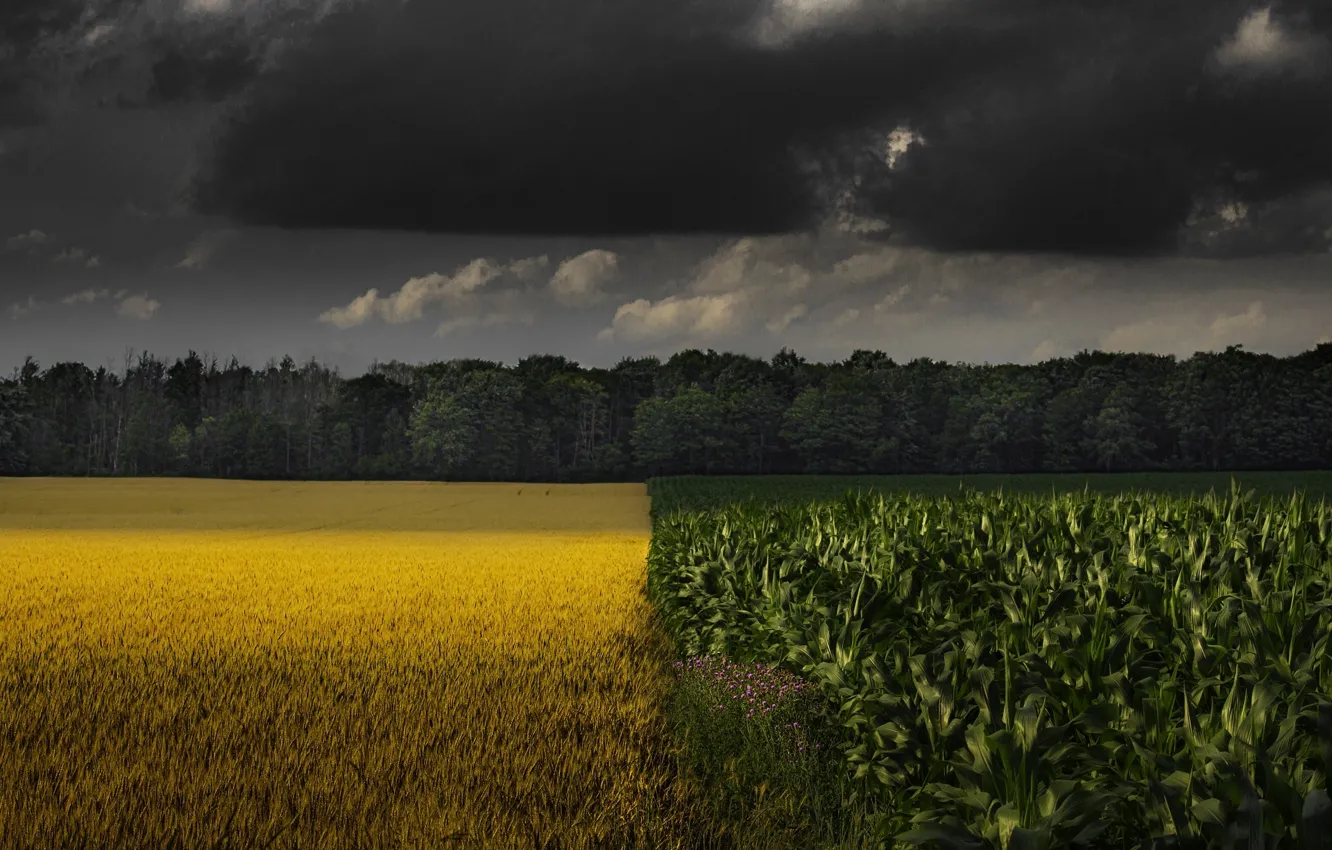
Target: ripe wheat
(186, 661)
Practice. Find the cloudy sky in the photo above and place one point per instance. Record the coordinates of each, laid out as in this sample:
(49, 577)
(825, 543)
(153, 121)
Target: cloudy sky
(968, 180)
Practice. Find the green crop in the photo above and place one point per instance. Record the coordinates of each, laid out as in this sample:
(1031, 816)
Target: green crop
(707, 492)
(1031, 671)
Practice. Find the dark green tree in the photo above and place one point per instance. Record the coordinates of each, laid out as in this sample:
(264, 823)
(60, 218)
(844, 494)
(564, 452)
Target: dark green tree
(1116, 436)
(15, 422)
(441, 432)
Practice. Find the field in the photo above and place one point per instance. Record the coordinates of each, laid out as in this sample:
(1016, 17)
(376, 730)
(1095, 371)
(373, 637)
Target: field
(328, 665)
(1023, 671)
(807, 662)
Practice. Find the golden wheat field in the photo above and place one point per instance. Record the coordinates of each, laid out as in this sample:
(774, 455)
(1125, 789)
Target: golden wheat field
(227, 663)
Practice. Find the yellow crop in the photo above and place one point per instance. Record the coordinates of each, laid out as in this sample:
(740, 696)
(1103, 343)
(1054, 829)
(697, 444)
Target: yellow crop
(328, 665)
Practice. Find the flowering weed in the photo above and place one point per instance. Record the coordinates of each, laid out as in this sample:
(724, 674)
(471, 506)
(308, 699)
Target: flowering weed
(756, 735)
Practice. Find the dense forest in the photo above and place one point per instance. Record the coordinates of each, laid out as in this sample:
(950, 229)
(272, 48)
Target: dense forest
(547, 418)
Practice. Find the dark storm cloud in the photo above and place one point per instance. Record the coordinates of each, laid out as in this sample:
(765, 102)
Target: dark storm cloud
(23, 26)
(534, 117)
(1090, 126)
(23, 23)
(209, 67)
(135, 53)
(209, 50)
(1108, 149)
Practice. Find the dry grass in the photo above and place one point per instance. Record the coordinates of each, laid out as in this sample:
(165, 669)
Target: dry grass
(305, 664)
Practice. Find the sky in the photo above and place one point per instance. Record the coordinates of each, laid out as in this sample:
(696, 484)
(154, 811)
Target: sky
(360, 180)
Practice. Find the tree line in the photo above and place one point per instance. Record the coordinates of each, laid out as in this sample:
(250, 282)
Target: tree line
(547, 418)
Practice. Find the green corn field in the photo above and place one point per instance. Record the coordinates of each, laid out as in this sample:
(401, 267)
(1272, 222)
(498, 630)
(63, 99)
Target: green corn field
(1036, 671)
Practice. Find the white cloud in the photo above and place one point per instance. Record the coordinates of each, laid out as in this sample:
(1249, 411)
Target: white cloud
(360, 310)
(1234, 212)
(409, 303)
(139, 307)
(695, 316)
(749, 263)
(899, 141)
(529, 268)
(93, 262)
(578, 280)
(1262, 44)
(726, 269)
(745, 279)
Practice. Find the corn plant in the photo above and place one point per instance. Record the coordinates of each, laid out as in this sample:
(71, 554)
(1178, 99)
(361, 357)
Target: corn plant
(1135, 670)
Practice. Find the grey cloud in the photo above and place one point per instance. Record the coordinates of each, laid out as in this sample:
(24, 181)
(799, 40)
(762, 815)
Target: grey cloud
(36, 242)
(139, 307)
(69, 255)
(85, 296)
(1188, 333)
(495, 319)
(1226, 226)
(864, 294)
(31, 240)
(780, 323)
(861, 293)
(19, 309)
